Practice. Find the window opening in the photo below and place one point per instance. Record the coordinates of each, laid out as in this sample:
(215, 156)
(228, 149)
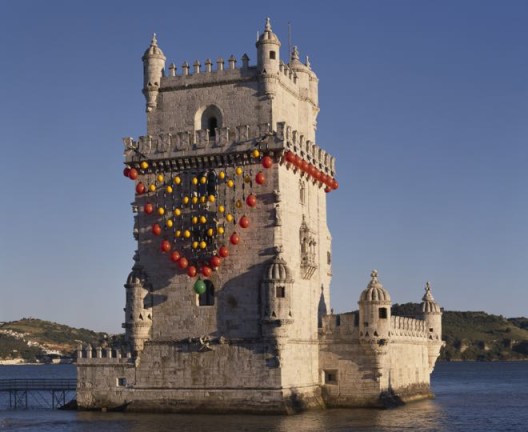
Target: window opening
(208, 297)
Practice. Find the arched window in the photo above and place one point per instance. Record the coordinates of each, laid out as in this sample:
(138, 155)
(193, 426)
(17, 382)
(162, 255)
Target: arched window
(208, 117)
(208, 297)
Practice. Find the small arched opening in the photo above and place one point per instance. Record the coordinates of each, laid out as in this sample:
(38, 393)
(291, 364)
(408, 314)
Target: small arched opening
(210, 118)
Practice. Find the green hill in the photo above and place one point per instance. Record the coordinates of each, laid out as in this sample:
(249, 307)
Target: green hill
(30, 339)
(468, 336)
(478, 335)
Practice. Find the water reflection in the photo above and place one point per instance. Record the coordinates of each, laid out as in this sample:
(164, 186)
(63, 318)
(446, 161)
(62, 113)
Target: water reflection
(423, 416)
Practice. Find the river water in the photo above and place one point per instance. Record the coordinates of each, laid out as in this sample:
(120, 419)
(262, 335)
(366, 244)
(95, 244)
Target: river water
(469, 397)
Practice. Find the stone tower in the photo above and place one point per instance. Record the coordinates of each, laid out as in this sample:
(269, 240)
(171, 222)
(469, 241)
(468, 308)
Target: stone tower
(227, 301)
(234, 251)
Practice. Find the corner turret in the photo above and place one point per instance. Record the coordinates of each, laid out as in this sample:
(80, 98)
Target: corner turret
(153, 67)
(138, 311)
(432, 314)
(276, 296)
(268, 58)
(374, 310)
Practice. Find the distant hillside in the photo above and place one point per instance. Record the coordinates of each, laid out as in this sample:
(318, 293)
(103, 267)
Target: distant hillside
(31, 339)
(468, 336)
(478, 335)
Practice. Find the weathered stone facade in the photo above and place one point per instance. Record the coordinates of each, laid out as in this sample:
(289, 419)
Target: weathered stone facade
(261, 338)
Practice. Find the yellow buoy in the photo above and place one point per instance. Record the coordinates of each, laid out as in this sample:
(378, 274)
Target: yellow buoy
(169, 223)
(229, 217)
(195, 244)
(211, 198)
(203, 245)
(194, 220)
(160, 178)
(230, 183)
(144, 165)
(169, 189)
(185, 200)
(221, 209)
(203, 219)
(194, 181)
(210, 232)
(221, 175)
(177, 212)
(177, 180)
(221, 230)
(161, 211)
(247, 179)
(203, 199)
(238, 171)
(203, 180)
(152, 188)
(186, 233)
(255, 153)
(194, 199)
(238, 204)
(178, 233)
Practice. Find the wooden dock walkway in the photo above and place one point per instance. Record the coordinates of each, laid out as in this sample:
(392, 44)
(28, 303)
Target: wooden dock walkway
(43, 393)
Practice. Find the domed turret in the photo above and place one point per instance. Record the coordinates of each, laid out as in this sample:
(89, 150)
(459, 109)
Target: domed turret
(138, 315)
(153, 66)
(277, 271)
(374, 291)
(432, 314)
(276, 294)
(268, 58)
(374, 310)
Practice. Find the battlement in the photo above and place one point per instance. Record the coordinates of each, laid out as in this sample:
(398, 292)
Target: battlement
(408, 327)
(197, 75)
(227, 142)
(86, 354)
(347, 325)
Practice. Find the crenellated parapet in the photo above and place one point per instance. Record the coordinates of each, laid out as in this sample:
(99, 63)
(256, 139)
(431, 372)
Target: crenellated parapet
(87, 354)
(408, 327)
(190, 147)
(220, 72)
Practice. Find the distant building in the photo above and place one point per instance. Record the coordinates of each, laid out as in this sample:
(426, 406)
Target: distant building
(227, 305)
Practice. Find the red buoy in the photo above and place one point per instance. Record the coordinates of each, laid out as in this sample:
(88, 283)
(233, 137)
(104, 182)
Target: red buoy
(183, 263)
(206, 271)
(234, 239)
(260, 178)
(244, 222)
(223, 252)
(251, 200)
(215, 261)
(149, 208)
(267, 162)
(140, 188)
(191, 271)
(175, 256)
(165, 246)
(133, 174)
(156, 229)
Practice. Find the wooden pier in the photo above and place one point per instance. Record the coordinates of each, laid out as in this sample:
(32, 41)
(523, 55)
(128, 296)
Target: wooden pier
(42, 393)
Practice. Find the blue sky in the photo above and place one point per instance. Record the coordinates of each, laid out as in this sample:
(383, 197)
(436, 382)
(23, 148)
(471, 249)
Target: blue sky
(423, 103)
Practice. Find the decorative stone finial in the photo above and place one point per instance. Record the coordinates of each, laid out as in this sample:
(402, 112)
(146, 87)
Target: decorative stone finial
(374, 274)
(268, 24)
(308, 62)
(154, 41)
(295, 53)
(428, 296)
(278, 249)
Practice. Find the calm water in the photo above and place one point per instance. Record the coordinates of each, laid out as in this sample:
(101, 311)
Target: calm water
(470, 397)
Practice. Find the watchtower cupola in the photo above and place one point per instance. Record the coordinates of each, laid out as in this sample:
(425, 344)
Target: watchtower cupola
(268, 54)
(153, 67)
(374, 309)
